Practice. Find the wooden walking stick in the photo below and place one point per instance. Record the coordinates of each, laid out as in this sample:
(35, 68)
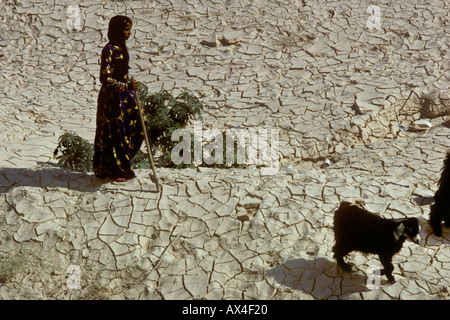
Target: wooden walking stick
(154, 178)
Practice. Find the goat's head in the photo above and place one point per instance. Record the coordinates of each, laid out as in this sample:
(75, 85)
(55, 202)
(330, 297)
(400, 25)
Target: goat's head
(408, 228)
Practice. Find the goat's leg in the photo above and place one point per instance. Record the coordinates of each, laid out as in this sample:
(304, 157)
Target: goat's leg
(437, 228)
(339, 256)
(386, 261)
(435, 220)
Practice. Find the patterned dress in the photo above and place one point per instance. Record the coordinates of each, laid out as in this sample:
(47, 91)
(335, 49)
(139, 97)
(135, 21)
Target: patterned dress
(119, 134)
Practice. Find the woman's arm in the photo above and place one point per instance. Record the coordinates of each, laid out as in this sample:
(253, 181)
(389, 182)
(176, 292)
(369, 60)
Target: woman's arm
(107, 70)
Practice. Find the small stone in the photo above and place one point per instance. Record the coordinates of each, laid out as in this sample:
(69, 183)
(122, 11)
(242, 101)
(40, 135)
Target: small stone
(420, 125)
(231, 37)
(364, 104)
(210, 40)
(326, 163)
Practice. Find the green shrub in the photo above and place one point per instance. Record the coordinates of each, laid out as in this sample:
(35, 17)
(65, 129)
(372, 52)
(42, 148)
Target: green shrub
(74, 152)
(164, 114)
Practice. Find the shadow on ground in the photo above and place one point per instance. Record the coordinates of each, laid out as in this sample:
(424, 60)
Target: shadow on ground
(422, 201)
(429, 238)
(318, 277)
(48, 177)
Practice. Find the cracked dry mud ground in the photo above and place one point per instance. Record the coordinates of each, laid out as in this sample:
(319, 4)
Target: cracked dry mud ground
(333, 88)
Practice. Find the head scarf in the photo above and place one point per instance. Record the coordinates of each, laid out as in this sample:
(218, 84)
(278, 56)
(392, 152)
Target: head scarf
(116, 27)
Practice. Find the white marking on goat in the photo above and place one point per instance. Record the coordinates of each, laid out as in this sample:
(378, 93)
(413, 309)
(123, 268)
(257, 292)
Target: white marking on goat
(398, 232)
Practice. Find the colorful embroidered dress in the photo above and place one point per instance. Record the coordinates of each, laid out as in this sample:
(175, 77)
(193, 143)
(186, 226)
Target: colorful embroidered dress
(119, 134)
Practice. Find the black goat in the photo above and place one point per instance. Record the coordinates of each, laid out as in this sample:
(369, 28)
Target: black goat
(356, 229)
(440, 210)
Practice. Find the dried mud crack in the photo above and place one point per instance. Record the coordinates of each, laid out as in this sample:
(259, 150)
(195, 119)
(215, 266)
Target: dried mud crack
(335, 89)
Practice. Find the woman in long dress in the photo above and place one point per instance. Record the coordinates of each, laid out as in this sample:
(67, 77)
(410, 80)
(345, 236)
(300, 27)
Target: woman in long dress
(119, 134)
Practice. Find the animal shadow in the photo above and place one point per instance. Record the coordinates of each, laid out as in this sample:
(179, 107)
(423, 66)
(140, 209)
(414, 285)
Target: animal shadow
(422, 201)
(319, 277)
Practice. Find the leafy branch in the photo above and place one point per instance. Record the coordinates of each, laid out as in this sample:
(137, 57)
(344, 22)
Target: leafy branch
(74, 152)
